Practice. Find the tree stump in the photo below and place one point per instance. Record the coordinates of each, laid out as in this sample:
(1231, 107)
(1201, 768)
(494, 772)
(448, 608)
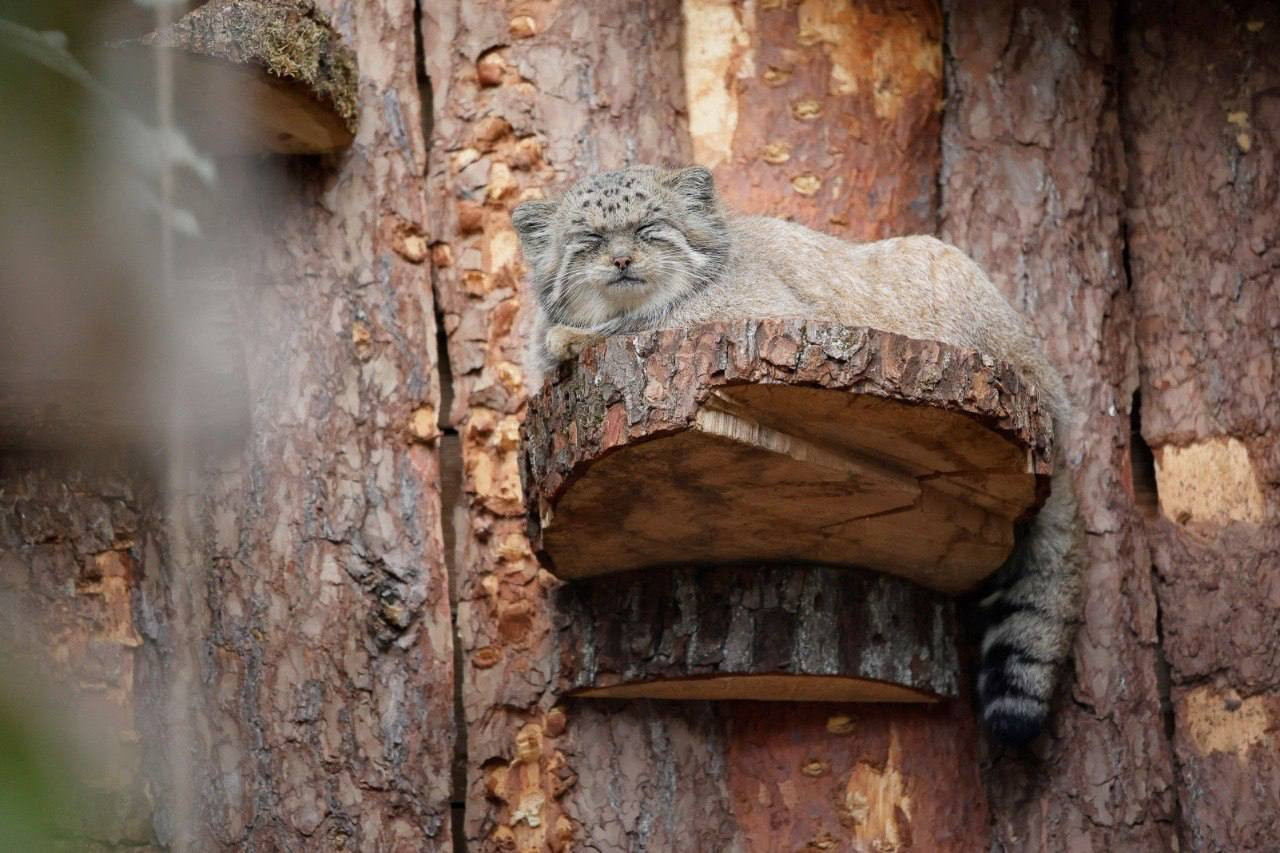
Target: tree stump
(250, 75)
(784, 440)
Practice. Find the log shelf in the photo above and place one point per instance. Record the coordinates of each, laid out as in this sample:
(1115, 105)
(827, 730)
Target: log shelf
(774, 509)
(249, 76)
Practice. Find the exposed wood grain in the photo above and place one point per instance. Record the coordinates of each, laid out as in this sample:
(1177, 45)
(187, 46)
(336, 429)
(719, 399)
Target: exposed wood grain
(824, 112)
(707, 444)
(828, 115)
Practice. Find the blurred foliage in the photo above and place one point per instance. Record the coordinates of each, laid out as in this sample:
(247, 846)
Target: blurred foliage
(38, 794)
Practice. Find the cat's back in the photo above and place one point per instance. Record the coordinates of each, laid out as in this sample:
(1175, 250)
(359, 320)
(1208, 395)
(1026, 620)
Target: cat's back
(917, 285)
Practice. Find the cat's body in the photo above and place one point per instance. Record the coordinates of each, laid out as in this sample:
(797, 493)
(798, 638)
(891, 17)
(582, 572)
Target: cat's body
(643, 249)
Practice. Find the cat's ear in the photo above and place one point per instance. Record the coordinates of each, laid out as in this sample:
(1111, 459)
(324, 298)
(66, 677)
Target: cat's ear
(532, 221)
(695, 185)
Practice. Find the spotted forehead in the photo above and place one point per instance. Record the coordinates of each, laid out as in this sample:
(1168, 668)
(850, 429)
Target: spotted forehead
(611, 199)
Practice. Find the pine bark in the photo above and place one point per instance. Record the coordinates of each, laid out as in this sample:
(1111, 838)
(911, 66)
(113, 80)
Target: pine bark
(1033, 170)
(77, 535)
(279, 631)
(304, 603)
(762, 632)
(850, 93)
(1202, 122)
(525, 100)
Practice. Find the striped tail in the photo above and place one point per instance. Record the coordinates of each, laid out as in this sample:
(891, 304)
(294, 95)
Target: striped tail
(1029, 614)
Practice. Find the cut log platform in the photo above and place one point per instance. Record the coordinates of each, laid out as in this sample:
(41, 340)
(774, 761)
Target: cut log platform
(250, 75)
(783, 441)
(799, 633)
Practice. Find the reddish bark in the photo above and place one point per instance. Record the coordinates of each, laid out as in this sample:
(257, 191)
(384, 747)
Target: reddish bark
(307, 584)
(1031, 189)
(1202, 125)
(527, 97)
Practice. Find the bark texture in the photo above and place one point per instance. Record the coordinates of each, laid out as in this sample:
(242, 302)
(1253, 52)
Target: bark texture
(306, 609)
(1031, 188)
(1202, 118)
(277, 628)
(76, 537)
(822, 112)
(872, 72)
(529, 97)
(755, 632)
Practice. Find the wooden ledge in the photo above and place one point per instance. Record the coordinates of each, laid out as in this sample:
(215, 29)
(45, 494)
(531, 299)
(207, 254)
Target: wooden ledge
(783, 440)
(776, 633)
(251, 75)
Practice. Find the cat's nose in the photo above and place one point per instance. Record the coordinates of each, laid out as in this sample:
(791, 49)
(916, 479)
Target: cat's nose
(622, 262)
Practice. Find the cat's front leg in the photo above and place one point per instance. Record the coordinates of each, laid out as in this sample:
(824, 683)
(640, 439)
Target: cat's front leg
(567, 342)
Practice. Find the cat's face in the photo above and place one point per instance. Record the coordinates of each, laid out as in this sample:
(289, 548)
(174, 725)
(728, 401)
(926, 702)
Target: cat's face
(622, 242)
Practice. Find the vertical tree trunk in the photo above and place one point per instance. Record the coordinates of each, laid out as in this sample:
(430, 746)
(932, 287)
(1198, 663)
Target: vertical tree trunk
(525, 101)
(318, 610)
(520, 107)
(272, 639)
(1031, 189)
(828, 114)
(1202, 120)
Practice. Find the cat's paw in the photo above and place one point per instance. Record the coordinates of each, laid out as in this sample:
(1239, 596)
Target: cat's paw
(566, 342)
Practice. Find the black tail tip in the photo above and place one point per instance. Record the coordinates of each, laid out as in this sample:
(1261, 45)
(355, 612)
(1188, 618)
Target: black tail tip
(1013, 730)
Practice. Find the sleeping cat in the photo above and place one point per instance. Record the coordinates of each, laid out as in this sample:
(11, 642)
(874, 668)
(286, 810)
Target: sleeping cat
(645, 248)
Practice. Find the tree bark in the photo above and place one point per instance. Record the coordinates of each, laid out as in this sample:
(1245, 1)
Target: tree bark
(848, 95)
(1032, 170)
(76, 536)
(1202, 121)
(825, 113)
(766, 632)
(306, 611)
(526, 100)
(276, 632)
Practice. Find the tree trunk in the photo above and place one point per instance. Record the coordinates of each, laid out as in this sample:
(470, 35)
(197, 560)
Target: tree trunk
(1203, 219)
(836, 110)
(524, 101)
(267, 626)
(76, 536)
(307, 586)
(1032, 190)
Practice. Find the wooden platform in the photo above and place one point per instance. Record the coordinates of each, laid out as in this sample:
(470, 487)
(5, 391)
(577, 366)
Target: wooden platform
(249, 75)
(783, 441)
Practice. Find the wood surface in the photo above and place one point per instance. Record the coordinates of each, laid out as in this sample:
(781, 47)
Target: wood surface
(783, 440)
(1034, 181)
(250, 76)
